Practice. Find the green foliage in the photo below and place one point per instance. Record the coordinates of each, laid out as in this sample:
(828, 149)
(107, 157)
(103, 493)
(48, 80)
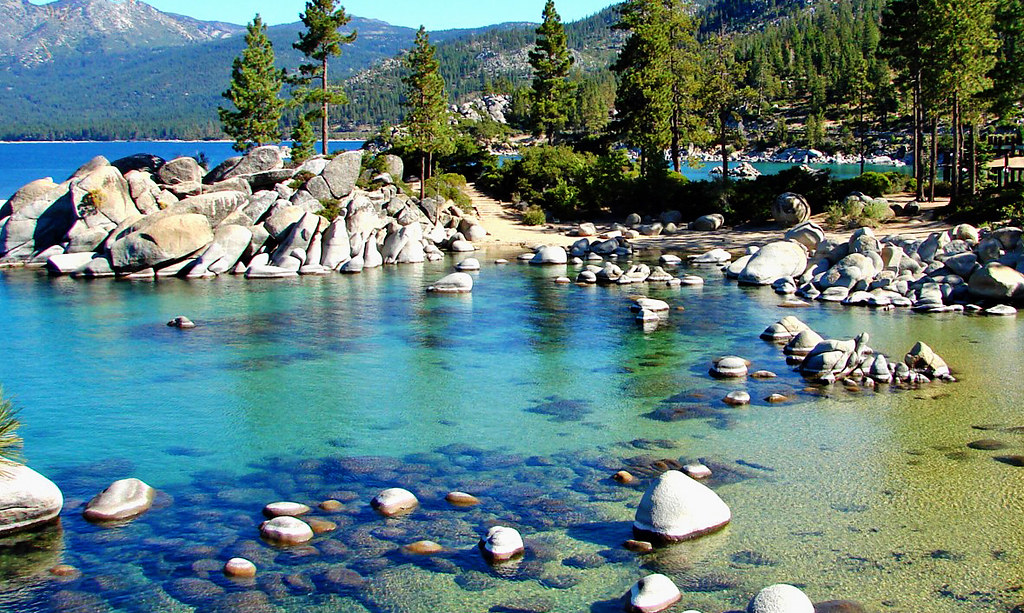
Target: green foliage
(255, 92)
(427, 131)
(10, 443)
(302, 140)
(874, 184)
(321, 41)
(551, 61)
(534, 216)
(332, 209)
(449, 186)
(300, 178)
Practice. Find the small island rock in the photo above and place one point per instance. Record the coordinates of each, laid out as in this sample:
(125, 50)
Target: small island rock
(653, 593)
(286, 530)
(394, 501)
(123, 499)
(780, 598)
(678, 508)
(502, 543)
(240, 568)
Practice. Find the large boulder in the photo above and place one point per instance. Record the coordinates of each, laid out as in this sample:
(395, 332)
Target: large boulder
(708, 223)
(677, 508)
(144, 162)
(335, 249)
(40, 217)
(299, 237)
(923, 359)
(103, 192)
(342, 172)
(259, 159)
(27, 499)
(996, 281)
(833, 359)
(849, 271)
(790, 209)
(775, 260)
(394, 166)
(180, 171)
(550, 255)
(784, 329)
(455, 283)
(808, 234)
(230, 244)
(123, 499)
(168, 239)
(780, 598)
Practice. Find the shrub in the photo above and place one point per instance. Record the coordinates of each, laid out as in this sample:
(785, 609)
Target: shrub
(299, 179)
(874, 184)
(449, 186)
(332, 209)
(92, 201)
(534, 216)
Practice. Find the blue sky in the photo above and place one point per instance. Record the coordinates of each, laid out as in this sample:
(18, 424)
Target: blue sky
(434, 14)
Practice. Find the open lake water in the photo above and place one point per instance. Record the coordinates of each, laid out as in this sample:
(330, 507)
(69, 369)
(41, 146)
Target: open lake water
(529, 395)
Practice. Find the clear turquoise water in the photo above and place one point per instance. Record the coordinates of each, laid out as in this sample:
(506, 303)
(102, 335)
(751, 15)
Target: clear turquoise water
(526, 393)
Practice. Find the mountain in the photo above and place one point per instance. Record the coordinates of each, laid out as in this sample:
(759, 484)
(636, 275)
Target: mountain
(102, 69)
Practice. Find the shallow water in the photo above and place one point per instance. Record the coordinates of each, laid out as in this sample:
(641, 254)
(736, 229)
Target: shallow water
(526, 393)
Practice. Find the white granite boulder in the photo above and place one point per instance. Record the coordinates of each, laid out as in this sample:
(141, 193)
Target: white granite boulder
(774, 260)
(455, 283)
(790, 209)
(286, 530)
(123, 499)
(677, 508)
(27, 499)
(394, 501)
(548, 254)
(780, 598)
(502, 543)
(653, 593)
(729, 367)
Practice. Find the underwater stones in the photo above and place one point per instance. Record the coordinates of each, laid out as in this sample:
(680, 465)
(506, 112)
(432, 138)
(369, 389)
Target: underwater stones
(1011, 460)
(181, 322)
(780, 598)
(669, 259)
(921, 358)
(678, 508)
(987, 445)
(455, 283)
(331, 506)
(729, 367)
(776, 399)
(27, 499)
(763, 374)
(696, 471)
(502, 543)
(638, 546)
(653, 593)
(240, 568)
(839, 606)
(123, 499)
(278, 509)
(423, 548)
(394, 501)
(691, 280)
(737, 398)
(321, 526)
(624, 477)
(285, 530)
(461, 499)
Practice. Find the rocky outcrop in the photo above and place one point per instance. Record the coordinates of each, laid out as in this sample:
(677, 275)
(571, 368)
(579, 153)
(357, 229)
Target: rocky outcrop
(28, 500)
(168, 239)
(677, 508)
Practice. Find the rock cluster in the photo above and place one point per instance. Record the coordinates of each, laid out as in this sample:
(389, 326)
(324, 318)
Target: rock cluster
(853, 361)
(957, 270)
(668, 223)
(143, 217)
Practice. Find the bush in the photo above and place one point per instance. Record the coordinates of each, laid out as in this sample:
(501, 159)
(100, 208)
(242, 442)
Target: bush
(449, 186)
(874, 184)
(92, 201)
(332, 209)
(299, 179)
(534, 216)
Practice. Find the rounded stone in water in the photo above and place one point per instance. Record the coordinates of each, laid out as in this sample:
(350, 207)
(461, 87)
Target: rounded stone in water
(286, 530)
(394, 501)
(653, 593)
(678, 508)
(502, 543)
(780, 598)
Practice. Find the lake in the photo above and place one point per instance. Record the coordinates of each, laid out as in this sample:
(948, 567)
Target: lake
(525, 393)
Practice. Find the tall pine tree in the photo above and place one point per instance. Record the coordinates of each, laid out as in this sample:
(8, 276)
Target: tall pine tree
(643, 99)
(683, 68)
(550, 60)
(255, 92)
(426, 120)
(722, 96)
(320, 42)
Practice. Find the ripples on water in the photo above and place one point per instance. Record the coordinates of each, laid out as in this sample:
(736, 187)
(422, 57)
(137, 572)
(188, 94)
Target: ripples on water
(525, 393)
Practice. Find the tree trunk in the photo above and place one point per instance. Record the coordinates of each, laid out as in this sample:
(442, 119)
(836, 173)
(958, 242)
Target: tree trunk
(973, 160)
(934, 161)
(954, 176)
(323, 119)
(725, 154)
(918, 138)
(676, 156)
(423, 176)
(863, 136)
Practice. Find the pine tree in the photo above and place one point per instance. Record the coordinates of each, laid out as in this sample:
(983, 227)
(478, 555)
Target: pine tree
(683, 68)
(1007, 91)
(303, 140)
(426, 119)
(320, 42)
(255, 92)
(723, 95)
(643, 99)
(550, 60)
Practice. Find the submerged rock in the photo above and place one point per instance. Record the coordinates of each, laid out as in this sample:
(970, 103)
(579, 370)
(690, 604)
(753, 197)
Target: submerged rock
(678, 508)
(240, 568)
(123, 499)
(181, 322)
(286, 530)
(502, 543)
(285, 509)
(455, 283)
(394, 501)
(653, 593)
(729, 367)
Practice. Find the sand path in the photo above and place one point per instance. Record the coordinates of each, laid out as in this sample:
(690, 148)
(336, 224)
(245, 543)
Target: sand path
(505, 229)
